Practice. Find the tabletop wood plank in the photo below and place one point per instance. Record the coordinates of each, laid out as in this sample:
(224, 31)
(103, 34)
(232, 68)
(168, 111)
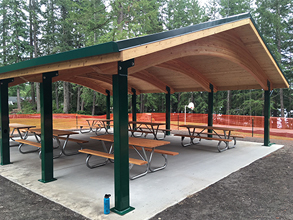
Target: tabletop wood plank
(56, 132)
(146, 123)
(99, 119)
(133, 141)
(210, 127)
(20, 126)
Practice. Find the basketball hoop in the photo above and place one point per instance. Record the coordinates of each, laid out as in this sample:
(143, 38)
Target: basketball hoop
(191, 106)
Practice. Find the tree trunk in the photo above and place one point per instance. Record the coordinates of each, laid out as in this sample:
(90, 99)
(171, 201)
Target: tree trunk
(4, 34)
(82, 105)
(120, 18)
(282, 103)
(94, 103)
(56, 95)
(228, 102)
(18, 99)
(250, 102)
(78, 98)
(279, 50)
(141, 103)
(178, 98)
(38, 97)
(66, 97)
(33, 94)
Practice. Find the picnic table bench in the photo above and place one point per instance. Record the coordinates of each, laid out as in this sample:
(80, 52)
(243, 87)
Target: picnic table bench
(234, 137)
(137, 144)
(211, 131)
(35, 144)
(57, 134)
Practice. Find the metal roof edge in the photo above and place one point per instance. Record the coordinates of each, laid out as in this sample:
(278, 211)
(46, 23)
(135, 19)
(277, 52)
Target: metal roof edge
(256, 27)
(100, 49)
(138, 41)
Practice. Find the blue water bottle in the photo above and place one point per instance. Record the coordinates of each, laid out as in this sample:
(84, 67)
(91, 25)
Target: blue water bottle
(107, 204)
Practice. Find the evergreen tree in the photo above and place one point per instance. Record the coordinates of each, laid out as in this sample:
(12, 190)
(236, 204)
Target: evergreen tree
(272, 18)
(233, 7)
(17, 32)
(133, 18)
(182, 13)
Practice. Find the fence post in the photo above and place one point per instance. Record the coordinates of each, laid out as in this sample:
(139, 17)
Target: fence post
(252, 126)
(178, 120)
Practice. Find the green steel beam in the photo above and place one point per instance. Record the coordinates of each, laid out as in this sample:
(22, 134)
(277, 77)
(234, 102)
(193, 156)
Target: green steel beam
(168, 110)
(108, 107)
(210, 108)
(46, 127)
(267, 113)
(121, 148)
(134, 107)
(4, 122)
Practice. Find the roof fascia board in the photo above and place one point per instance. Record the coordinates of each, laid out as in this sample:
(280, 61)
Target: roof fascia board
(179, 40)
(139, 41)
(96, 50)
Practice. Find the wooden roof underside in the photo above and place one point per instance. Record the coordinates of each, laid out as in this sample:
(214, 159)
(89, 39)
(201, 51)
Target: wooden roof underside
(231, 56)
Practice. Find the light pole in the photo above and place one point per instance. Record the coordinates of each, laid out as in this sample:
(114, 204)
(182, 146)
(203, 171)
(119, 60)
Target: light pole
(191, 106)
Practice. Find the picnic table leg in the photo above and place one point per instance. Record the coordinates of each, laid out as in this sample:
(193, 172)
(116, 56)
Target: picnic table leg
(191, 139)
(91, 129)
(155, 131)
(95, 165)
(234, 139)
(59, 146)
(11, 134)
(226, 143)
(64, 146)
(25, 152)
(158, 168)
(143, 157)
(25, 136)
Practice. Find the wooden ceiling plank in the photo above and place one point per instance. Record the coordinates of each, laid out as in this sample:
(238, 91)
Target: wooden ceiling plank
(147, 76)
(90, 84)
(108, 78)
(189, 71)
(243, 54)
(201, 47)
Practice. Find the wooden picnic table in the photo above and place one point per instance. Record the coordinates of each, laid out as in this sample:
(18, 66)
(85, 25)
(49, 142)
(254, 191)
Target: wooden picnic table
(140, 146)
(153, 127)
(57, 135)
(210, 131)
(17, 127)
(98, 123)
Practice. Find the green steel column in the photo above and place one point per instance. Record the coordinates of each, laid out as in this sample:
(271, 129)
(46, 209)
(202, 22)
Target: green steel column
(210, 108)
(4, 122)
(134, 107)
(121, 148)
(108, 107)
(46, 127)
(267, 113)
(168, 110)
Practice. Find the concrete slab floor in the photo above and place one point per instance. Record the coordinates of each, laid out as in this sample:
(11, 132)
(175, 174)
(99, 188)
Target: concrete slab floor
(82, 189)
